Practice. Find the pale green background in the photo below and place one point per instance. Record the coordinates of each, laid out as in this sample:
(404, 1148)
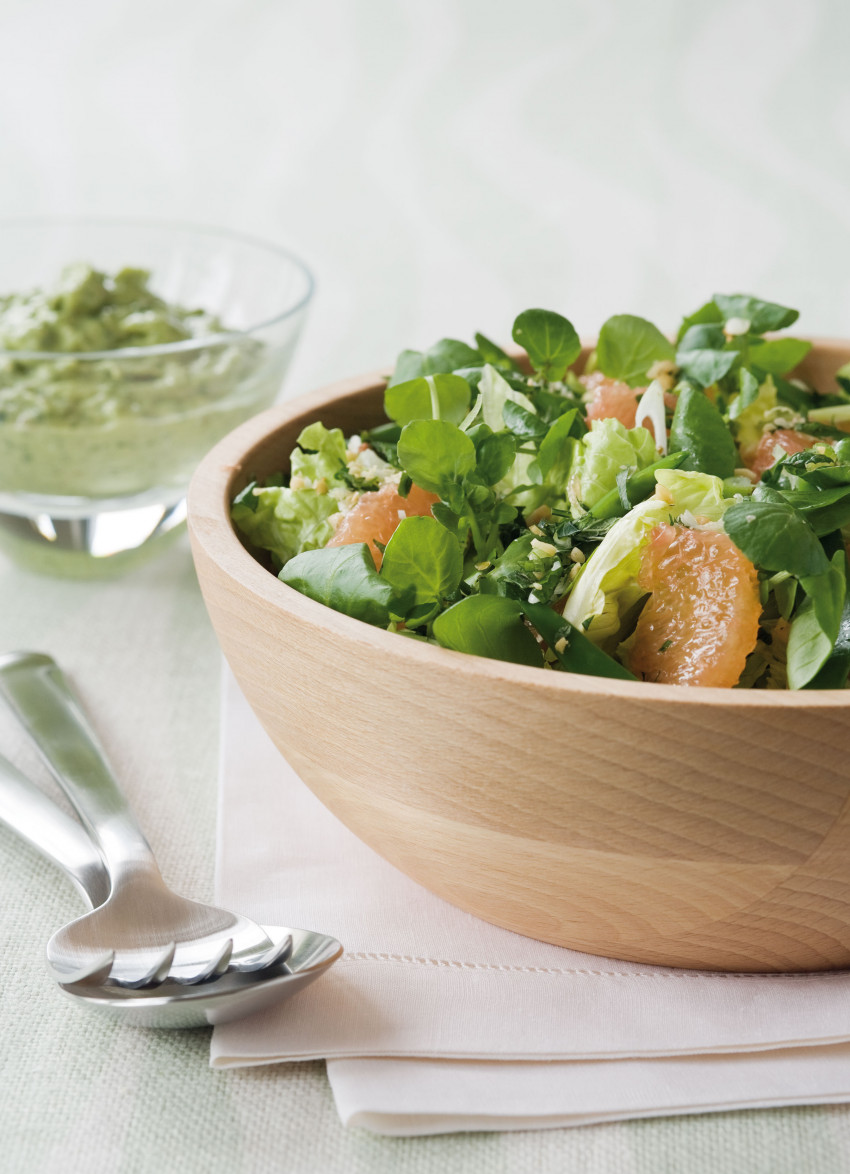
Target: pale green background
(442, 166)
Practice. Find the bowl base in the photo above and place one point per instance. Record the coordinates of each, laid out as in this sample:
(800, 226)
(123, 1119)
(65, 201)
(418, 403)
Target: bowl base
(94, 543)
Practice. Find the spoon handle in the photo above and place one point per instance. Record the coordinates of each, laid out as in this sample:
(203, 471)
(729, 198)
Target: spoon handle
(37, 819)
(39, 695)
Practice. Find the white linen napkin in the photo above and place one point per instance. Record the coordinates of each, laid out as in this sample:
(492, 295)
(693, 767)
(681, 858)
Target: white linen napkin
(434, 1020)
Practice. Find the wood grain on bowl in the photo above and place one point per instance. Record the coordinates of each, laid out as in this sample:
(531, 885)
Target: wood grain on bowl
(693, 827)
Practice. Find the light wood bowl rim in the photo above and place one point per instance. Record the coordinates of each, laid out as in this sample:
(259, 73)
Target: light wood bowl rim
(212, 489)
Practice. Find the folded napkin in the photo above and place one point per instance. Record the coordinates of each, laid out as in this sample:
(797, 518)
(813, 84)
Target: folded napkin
(434, 1020)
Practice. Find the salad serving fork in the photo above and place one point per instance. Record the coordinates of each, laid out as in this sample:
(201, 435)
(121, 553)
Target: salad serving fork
(143, 933)
(36, 818)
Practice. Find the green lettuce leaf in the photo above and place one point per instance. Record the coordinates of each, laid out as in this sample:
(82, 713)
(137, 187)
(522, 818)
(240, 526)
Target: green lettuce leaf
(284, 521)
(320, 453)
(605, 451)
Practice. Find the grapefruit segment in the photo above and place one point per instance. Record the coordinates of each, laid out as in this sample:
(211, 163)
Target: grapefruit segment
(774, 444)
(701, 620)
(611, 399)
(377, 514)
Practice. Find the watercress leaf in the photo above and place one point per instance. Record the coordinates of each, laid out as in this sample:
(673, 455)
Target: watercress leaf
(699, 430)
(494, 391)
(383, 439)
(247, 498)
(433, 397)
(443, 357)
(827, 594)
(628, 346)
(706, 367)
(409, 365)
(809, 647)
(833, 673)
(573, 649)
(785, 596)
(765, 492)
(824, 509)
(495, 455)
(705, 336)
(344, 578)
(491, 353)
(514, 570)
(762, 316)
(472, 375)
(478, 495)
(775, 537)
(436, 454)
(446, 516)
(748, 387)
(551, 405)
(701, 355)
(707, 313)
(817, 622)
(454, 496)
(488, 625)
(450, 353)
(557, 450)
(550, 341)
(424, 559)
(779, 355)
(522, 423)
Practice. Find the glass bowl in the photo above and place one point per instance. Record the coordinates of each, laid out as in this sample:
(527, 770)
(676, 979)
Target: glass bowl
(97, 447)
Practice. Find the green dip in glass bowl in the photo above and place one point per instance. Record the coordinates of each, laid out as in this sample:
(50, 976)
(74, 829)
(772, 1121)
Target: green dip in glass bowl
(113, 387)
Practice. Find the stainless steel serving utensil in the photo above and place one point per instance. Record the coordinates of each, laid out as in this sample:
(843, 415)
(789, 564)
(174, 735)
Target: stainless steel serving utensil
(34, 817)
(144, 932)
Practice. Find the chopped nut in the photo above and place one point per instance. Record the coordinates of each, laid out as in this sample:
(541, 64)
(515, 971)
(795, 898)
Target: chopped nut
(543, 549)
(576, 555)
(736, 326)
(298, 483)
(541, 514)
(664, 371)
(321, 486)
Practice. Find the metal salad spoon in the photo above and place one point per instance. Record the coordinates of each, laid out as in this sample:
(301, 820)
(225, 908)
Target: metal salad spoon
(38, 820)
(144, 932)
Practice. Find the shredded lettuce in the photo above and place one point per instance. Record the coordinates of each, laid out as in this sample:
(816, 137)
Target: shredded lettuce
(320, 453)
(607, 449)
(286, 520)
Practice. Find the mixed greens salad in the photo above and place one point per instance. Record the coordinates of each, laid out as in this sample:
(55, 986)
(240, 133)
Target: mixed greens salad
(671, 511)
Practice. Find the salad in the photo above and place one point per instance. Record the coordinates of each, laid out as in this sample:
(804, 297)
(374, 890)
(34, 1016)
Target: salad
(663, 511)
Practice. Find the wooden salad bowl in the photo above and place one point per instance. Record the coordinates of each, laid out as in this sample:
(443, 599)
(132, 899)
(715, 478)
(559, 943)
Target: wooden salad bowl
(694, 827)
